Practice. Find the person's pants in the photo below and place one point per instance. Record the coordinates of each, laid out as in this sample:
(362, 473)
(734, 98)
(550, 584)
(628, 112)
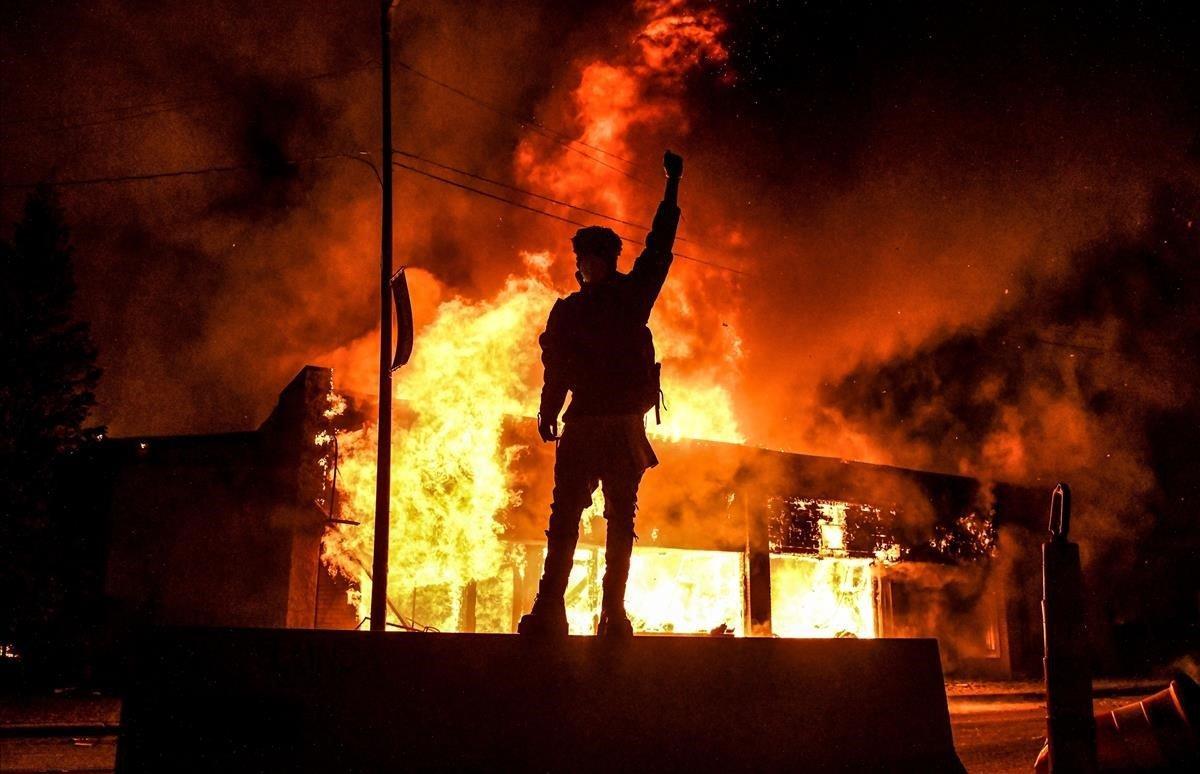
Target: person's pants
(578, 469)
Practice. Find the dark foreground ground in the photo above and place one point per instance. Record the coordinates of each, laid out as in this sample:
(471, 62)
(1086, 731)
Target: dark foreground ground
(998, 727)
(1002, 734)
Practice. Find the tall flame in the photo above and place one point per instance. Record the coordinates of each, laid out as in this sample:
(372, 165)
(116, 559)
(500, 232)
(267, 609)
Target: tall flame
(477, 362)
(475, 366)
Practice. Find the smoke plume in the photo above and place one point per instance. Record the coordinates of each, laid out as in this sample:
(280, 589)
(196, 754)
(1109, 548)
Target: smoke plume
(1090, 378)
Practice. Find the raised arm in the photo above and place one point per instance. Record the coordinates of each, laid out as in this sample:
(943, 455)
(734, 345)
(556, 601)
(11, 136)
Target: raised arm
(673, 167)
(651, 267)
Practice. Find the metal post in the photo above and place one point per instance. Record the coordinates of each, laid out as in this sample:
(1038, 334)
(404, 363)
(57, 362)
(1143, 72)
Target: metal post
(758, 569)
(1070, 727)
(383, 477)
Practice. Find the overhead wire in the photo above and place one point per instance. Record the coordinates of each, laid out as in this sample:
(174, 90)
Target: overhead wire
(145, 110)
(217, 169)
(527, 192)
(366, 64)
(104, 111)
(130, 112)
(554, 216)
(530, 121)
(137, 177)
(51, 130)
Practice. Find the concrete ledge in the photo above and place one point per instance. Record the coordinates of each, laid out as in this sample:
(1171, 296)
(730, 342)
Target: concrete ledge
(275, 700)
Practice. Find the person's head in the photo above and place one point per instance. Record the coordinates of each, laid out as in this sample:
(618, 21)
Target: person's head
(596, 251)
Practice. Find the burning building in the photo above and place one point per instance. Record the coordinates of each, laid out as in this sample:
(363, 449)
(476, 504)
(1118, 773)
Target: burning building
(734, 541)
(739, 541)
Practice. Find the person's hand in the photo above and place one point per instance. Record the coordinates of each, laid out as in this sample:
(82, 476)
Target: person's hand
(547, 429)
(673, 164)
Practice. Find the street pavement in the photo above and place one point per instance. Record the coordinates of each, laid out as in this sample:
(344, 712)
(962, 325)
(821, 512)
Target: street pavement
(998, 727)
(1005, 735)
(66, 732)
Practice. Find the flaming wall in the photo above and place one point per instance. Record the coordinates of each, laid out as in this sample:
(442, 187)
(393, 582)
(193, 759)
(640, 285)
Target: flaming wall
(843, 550)
(223, 530)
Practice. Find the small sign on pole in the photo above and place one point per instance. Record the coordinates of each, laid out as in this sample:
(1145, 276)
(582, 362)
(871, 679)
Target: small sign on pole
(404, 319)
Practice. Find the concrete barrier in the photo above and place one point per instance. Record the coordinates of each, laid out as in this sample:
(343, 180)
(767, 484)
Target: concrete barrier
(290, 700)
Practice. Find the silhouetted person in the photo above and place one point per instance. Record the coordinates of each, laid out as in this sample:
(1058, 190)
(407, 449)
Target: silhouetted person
(597, 345)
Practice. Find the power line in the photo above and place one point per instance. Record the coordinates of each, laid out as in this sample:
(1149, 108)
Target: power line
(561, 218)
(130, 112)
(104, 111)
(500, 111)
(145, 110)
(74, 182)
(365, 65)
(171, 108)
(218, 169)
(527, 192)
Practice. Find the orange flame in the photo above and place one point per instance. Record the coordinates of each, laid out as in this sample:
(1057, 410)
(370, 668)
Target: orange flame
(477, 363)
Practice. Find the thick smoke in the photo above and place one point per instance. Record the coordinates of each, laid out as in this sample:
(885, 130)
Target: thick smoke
(207, 293)
(955, 254)
(881, 178)
(1089, 378)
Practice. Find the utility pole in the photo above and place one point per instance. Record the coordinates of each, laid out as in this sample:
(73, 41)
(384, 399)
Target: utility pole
(383, 474)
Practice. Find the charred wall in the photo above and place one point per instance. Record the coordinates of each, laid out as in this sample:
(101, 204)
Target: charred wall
(218, 530)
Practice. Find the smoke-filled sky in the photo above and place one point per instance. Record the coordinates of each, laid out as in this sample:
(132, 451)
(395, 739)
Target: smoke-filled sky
(889, 175)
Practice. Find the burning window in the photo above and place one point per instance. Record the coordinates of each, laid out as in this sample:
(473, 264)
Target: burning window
(823, 580)
(814, 596)
(670, 591)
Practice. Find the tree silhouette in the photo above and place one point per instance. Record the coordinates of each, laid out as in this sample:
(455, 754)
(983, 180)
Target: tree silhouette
(47, 378)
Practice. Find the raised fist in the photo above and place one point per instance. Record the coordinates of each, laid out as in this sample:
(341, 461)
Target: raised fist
(673, 164)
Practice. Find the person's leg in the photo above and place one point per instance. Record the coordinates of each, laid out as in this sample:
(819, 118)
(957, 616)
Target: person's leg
(620, 506)
(572, 493)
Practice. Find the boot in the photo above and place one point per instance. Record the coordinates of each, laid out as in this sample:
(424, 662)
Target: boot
(547, 619)
(613, 621)
(549, 614)
(614, 624)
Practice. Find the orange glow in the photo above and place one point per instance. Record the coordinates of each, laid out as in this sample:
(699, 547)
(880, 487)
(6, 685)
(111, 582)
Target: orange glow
(477, 363)
(828, 595)
(670, 591)
(814, 596)
(450, 479)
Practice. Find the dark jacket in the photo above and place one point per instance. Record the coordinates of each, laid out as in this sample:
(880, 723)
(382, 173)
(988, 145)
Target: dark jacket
(597, 343)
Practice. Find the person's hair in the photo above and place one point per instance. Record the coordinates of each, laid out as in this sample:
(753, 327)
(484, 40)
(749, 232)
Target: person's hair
(599, 241)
